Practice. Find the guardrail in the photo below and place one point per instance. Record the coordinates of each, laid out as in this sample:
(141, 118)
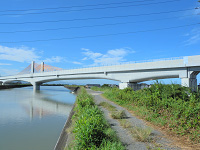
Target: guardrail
(122, 63)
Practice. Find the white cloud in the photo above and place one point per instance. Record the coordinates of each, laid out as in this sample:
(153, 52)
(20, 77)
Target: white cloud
(24, 55)
(55, 59)
(6, 72)
(113, 56)
(4, 64)
(21, 54)
(193, 37)
(117, 52)
(85, 58)
(78, 63)
(90, 54)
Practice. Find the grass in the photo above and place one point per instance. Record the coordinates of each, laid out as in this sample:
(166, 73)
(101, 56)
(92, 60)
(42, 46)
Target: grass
(125, 123)
(115, 114)
(168, 106)
(69, 129)
(118, 114)
(89, 127)
(138, 133)
(107, 145)
(108, 106)
(141, 134)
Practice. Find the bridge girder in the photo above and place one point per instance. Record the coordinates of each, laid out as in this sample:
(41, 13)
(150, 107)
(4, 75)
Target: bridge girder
(186, 68)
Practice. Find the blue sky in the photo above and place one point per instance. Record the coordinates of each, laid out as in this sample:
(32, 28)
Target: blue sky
(130, 30)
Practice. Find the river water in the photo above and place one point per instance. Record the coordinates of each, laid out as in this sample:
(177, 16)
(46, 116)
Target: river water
(33, 121)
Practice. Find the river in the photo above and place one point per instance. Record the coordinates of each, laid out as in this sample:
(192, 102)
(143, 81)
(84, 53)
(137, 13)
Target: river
(33, 121)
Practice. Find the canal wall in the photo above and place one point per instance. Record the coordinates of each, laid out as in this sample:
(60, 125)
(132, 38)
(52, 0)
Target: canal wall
(63, 138)
(73, 89)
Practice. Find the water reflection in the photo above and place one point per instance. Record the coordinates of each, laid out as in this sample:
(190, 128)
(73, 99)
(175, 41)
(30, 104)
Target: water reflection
(41, 105)
(42, 113)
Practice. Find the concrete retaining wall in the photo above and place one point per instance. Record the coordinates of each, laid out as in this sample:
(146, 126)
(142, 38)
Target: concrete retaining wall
(62, 140)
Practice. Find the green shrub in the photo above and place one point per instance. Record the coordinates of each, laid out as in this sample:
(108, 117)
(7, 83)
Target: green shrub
(164, 102)
(91, 129)
(102, 88)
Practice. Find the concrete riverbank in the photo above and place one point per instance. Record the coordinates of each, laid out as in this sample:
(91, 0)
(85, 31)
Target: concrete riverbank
(64, 136)
(63, 139)
(73, 89)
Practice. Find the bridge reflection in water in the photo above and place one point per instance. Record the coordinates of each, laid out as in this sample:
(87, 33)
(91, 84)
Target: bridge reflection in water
(40, 105)
(33, 121)
(21, 103)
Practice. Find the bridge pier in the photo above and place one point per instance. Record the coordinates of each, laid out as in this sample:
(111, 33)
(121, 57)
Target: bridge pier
(123, 85)
(36, 86)
(189, 82)
(191, 79)
(134, 85)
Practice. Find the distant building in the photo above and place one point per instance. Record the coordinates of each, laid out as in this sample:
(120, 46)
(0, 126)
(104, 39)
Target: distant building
(91, 85)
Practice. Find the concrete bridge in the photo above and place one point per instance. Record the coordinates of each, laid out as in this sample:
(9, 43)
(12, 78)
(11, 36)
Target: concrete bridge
(186, 68)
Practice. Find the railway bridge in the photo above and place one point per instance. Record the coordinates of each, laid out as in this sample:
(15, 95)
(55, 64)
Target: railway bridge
(186, 68)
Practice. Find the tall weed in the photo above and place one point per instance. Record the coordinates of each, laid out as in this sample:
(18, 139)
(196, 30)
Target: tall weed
(165, 101)
(90, 128)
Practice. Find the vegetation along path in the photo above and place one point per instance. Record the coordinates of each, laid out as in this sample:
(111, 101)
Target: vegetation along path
(133, 132)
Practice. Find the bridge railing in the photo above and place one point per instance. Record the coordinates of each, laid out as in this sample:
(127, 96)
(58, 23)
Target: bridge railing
(27, 70)
(154, 60)
(130, 62)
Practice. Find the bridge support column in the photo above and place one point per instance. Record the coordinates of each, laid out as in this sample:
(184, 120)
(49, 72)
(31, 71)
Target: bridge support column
(132, 85)
(32, 66)
(123, 85)
(36, 86)
(42, 67)
(189, 82)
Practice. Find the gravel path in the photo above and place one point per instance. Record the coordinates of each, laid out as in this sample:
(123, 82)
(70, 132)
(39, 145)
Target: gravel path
(125, 136)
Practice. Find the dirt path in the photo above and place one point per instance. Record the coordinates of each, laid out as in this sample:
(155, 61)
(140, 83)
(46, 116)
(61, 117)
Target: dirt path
(158, 141)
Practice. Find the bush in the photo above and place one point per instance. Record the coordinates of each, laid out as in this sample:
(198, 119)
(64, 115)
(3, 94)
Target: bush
(178, 107)
(91, 129)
